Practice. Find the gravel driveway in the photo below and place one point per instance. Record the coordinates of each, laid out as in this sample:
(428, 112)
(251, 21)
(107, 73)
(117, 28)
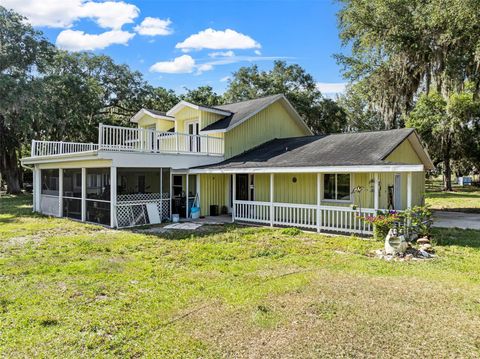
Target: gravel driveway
(456, 219)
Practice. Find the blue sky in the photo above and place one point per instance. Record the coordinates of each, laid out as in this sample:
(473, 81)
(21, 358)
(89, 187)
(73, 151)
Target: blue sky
(178, 44)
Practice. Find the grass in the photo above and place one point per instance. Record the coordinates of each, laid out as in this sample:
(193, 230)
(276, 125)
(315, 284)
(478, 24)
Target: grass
(461, 199)
(74, 290)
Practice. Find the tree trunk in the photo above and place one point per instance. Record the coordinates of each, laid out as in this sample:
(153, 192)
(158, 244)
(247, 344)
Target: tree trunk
(447, 182)
(9, 167)
(10, 171)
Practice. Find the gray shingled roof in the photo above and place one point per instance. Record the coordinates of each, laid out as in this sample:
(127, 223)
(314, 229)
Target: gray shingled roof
(240, 110)
(159, 113)
(345, 149)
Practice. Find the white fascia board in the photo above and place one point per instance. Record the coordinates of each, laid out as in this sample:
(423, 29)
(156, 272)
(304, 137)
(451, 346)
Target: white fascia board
(421, 151)
(296, 114)
(179, 106)
(213, 131)
(144, 112)
(155, 160)
(323, 169)
(67, 157)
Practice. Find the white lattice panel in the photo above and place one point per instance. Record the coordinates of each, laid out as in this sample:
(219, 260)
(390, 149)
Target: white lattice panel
(132, 211)
(139, 197)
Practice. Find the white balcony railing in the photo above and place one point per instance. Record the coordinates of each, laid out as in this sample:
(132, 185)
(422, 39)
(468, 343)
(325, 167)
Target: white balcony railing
(51, 148)
(115, 138)
(329, 218)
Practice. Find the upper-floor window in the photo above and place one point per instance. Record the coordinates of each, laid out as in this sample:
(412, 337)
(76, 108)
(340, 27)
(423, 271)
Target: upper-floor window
(336, 187)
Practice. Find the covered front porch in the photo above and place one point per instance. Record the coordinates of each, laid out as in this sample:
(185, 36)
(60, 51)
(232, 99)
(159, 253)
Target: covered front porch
(329, 199)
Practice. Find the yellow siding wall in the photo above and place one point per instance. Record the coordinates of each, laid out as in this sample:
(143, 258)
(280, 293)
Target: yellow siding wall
(285, 190)
(406, 154)
(160, 125)
(186, 114)
(304, 190)
(207, 118)
(272, 122)
(214, 189)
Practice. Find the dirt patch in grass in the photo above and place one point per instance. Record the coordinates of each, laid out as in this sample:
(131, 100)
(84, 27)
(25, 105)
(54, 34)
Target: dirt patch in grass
(229, 291)
(348, 316)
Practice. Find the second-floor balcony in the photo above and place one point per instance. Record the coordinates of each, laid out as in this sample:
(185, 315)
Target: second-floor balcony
(124, 139)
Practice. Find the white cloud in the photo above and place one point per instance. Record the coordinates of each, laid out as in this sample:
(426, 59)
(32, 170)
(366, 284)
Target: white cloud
(187, 64)
(225, 79)
(152, 26)
(204, 67)
(52, 13)
(74, 40)
(228, 53)
(110, 14)
(257, 52)
(180, 65)
(217, 40)
(331, 87)
(64, 13)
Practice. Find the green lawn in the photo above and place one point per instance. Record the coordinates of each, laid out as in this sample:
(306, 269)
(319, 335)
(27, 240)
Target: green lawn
(461, 199)
(75, 290)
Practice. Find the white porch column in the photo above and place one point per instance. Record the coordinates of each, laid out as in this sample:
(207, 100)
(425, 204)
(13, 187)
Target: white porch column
(375, 192)
(113, 196)
(37, 189)
(60, 192)
(197, 187)
(171, 192)
(186, 195)
(272, 177)
(234, 195)
(319, 201)
(409, 190)
(84, 194)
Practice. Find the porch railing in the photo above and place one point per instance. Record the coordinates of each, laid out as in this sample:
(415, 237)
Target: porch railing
(51, 148)
(125, 139)
(115, 138)
(323, 218)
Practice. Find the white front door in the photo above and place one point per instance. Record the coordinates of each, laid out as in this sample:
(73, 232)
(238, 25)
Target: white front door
(193, 139)
(397, 192)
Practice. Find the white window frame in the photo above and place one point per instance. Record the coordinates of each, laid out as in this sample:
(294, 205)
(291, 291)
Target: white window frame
(350, 200)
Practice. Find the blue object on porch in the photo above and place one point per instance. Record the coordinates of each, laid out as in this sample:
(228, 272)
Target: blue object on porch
(195, 212)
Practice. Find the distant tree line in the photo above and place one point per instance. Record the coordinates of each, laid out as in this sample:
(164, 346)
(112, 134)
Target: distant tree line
(412, 63)
(49, 94)
(416, 63)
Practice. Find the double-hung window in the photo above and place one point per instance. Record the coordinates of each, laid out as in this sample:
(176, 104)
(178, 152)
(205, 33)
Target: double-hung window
(336, 187)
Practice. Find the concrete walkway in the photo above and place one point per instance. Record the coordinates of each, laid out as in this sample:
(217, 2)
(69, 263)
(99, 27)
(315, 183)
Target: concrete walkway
(456, 219)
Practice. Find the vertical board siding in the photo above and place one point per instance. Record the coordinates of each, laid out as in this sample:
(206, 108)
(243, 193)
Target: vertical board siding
(304, 191)
(213, 191)
(160, 125)
(405, 153)
(285, 190)
(272, 122)
(207, 118)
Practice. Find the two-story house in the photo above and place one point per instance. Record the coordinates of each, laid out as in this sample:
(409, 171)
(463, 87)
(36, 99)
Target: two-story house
(255, 160)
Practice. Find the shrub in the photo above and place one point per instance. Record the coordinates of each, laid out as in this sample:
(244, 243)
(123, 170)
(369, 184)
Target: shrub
(417, 220)
(382, 222)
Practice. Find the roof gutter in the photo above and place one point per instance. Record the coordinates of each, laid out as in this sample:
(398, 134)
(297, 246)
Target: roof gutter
(314, 169)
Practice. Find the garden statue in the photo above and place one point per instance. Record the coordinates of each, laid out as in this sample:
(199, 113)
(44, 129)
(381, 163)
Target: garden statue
(395, 242)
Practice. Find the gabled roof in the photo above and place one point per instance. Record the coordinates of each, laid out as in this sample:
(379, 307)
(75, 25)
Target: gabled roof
(182, 104)
(344, 149)
(242, 111)
(151, 113)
